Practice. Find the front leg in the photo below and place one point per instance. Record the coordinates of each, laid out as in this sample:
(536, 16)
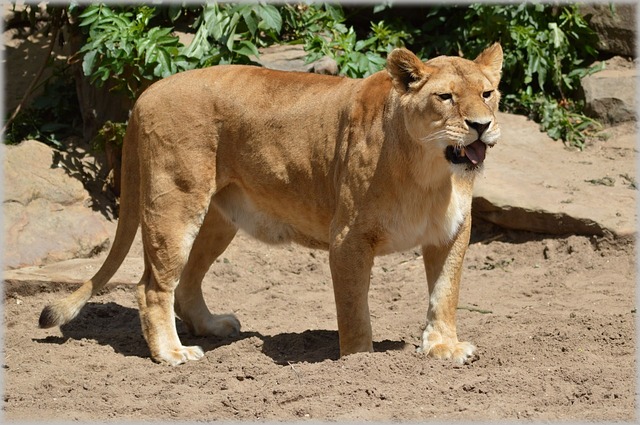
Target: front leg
(444, 267)
(351, 259)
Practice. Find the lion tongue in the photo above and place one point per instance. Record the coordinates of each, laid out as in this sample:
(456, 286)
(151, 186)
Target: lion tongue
(476, 151)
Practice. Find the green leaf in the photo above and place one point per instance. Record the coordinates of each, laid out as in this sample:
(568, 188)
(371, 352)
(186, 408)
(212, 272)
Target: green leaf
(542, 76)
(164, 62)
(88, 61)
(141, 47)
(335, 12)
(556, 34)
(150, 53)
(232, 31)
(376, 59)
(271, 19)
(103, 74)
(174, 11)
(247, 48)
(167, 40)
(198, 45)
(157, 33)
(380, 7)
(365, 44)
(218, 25)
(106, 11)
(250, 20)
(120, 21)
(90, 11)
(90, 16)
(88, 21)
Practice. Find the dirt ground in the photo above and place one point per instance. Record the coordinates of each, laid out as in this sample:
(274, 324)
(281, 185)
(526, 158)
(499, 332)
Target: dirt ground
(553, 320)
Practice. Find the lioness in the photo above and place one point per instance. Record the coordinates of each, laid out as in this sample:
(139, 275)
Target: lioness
(361, 167)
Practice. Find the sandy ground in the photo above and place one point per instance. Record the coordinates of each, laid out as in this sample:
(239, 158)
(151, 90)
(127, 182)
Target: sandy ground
(553, 319)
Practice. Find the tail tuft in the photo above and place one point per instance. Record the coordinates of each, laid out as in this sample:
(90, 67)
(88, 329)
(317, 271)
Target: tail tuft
(64, 310)
(49, 318)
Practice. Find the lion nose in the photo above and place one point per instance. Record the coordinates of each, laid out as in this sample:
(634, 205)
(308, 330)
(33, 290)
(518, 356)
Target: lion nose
(478, 126)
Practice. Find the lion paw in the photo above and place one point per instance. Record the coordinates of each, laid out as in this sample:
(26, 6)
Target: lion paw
(436, 346)
(180, 355)
(459, 352)
(220, 325)
(224, 325)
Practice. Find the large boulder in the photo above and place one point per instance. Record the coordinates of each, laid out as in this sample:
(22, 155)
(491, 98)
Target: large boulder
(291, 57)
(534, 183)
(610, 95)
(46, 212)
(615, 25)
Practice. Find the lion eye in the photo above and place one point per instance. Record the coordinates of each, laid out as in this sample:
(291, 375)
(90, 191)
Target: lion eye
(445, 96)
(487, 94)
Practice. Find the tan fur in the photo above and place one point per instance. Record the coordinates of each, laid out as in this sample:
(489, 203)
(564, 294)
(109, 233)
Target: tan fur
(357, 167)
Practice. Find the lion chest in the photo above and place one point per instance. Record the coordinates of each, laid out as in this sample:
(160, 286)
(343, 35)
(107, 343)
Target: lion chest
(427, 220)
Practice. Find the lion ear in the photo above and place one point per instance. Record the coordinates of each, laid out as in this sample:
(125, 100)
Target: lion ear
(491, 60)
(405, 69)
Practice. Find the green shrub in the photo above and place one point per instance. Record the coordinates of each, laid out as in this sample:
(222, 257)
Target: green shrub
(232, 33)
(110, 133)
(122, 49)
(125, 48)
(355, 58)
(548, 48)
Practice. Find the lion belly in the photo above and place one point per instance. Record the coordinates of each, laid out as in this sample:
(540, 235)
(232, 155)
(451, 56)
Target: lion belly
(269, 225)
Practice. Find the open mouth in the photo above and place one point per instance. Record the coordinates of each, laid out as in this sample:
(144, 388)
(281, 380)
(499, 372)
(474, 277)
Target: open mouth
(473, 154)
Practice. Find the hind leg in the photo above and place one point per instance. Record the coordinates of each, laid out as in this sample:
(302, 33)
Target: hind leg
(170, 222)
(158, 323)
(215, 235)
(158, 329)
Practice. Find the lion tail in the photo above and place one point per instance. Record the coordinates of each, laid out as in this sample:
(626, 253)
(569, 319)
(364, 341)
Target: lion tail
(64, 310)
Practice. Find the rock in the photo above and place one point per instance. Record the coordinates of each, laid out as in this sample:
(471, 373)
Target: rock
(19, 46)
(533, 183)
(291, 57)
(617, 30)
(325, 66)
(549, 249)
(31, 53)
(285, 57)
(45, 212)
(610, 95)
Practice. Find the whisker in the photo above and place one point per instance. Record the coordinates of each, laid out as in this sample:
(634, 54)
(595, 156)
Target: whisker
(434, 136)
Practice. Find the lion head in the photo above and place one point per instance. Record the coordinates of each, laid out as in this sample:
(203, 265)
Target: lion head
(450, 103)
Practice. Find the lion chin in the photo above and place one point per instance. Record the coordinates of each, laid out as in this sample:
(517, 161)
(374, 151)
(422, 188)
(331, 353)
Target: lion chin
(359, 167)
